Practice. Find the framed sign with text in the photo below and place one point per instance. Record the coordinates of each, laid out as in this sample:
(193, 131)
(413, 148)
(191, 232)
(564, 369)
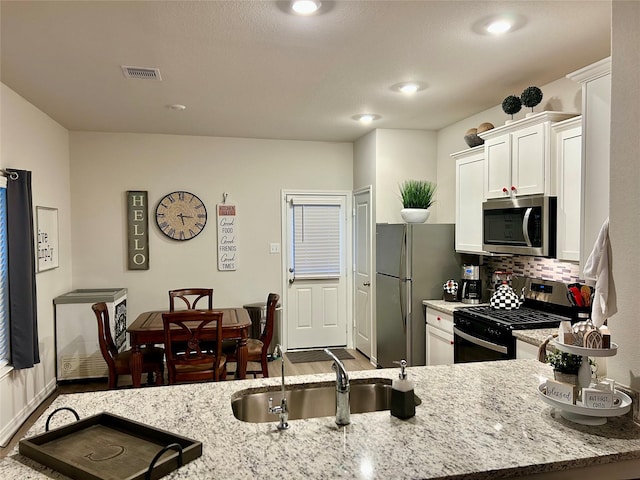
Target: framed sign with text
(137, 230)
(227, 221)
(47, 225)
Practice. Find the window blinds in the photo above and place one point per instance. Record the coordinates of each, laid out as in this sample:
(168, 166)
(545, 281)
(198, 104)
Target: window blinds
(316, 240)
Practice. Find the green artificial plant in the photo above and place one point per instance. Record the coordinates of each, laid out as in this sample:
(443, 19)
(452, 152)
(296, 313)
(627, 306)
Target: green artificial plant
(417, 193)
(565, 362)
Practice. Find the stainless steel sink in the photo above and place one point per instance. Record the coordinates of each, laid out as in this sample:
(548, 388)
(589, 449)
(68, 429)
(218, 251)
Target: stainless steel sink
(318, 400)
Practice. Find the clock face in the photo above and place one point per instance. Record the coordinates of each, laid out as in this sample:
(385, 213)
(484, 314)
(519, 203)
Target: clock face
(181, 215)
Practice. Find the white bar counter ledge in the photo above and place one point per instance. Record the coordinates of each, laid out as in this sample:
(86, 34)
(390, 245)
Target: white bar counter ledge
(476, 421)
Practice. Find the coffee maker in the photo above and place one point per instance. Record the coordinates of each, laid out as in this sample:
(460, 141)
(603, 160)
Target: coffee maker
(470, 290)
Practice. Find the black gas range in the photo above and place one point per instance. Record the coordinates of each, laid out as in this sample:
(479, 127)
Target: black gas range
(482, 333)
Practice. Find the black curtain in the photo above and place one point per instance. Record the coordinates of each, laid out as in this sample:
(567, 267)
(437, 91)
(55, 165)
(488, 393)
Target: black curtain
(23, 313)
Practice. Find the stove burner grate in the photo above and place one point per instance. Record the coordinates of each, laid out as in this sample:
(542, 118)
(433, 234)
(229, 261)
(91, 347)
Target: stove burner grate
(521, 318)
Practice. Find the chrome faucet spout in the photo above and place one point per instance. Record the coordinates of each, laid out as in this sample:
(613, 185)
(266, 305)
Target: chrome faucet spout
(281, 410)
(343, 411)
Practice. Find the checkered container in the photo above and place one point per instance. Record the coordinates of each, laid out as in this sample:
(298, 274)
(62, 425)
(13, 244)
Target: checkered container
(450, 288)
(504, 298)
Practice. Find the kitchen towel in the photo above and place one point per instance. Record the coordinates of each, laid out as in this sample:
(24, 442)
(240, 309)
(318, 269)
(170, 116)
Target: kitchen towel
(598, 266)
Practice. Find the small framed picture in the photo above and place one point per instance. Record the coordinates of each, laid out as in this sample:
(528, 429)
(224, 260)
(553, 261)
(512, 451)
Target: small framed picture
(47, 238)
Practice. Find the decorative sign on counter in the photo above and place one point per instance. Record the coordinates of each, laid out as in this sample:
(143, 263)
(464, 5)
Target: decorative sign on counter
(137, 231)
(227, 236)
(47, 220)
(561, 392)
(594, 398)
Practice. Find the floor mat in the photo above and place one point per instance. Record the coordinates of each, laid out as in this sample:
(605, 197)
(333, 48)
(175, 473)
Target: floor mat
(317, 355)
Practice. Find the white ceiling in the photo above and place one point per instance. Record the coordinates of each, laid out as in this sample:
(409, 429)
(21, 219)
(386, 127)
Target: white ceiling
(251, 69)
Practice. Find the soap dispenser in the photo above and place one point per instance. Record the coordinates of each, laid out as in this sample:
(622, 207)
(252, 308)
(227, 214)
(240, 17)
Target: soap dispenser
(403, 403)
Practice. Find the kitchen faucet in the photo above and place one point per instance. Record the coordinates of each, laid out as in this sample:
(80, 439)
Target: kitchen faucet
(281, 410)
(343, 414)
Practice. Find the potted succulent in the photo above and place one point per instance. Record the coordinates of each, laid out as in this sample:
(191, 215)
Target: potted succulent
(565, 366)
(417, 197)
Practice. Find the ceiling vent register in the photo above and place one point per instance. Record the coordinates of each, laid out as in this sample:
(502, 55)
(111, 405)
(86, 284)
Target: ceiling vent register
(141, 72)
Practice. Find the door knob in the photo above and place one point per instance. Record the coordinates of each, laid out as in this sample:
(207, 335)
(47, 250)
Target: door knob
(367, 284)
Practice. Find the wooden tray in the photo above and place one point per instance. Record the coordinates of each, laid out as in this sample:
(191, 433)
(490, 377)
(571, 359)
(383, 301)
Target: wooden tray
(109, 447)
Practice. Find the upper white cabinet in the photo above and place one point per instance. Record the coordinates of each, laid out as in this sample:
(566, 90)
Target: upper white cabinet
(469, 198)
(518, 158)
(567, 140)
(596, 129)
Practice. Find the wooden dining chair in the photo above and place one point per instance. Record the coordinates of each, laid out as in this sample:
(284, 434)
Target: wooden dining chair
(258, 348)
(118, 362)
(187, 296)
(192, 328)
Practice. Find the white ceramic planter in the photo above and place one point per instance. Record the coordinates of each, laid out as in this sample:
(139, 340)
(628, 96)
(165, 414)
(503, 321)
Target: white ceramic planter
(415, 215)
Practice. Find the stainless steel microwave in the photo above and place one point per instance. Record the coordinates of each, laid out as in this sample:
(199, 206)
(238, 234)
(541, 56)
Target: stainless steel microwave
(521, 225)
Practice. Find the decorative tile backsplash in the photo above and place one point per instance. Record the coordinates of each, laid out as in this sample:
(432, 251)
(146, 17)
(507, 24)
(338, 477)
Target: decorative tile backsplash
(537, 267)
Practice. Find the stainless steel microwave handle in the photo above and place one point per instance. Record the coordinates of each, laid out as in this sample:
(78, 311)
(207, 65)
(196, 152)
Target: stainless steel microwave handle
(480, 342)
(525, 226)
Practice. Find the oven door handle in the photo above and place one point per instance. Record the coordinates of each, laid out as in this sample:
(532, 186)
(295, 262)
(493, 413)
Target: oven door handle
(480, 342)
(525, 226)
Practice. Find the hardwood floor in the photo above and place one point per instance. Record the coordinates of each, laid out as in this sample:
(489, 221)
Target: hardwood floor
(360, 362)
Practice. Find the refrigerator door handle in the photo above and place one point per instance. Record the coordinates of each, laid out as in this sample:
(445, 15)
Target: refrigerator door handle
(403, 297)
(403, 256)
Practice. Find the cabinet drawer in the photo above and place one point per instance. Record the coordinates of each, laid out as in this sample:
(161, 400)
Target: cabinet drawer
(440, 320)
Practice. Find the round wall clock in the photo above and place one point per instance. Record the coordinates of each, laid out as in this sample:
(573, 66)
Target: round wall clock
(181, 215)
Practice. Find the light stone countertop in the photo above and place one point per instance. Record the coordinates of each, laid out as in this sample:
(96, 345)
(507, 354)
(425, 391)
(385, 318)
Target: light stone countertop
(476, 421)
(449, 307)
(534, 337)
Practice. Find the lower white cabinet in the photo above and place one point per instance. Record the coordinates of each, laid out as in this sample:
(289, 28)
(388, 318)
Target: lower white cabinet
(439, 337)
(526, 350)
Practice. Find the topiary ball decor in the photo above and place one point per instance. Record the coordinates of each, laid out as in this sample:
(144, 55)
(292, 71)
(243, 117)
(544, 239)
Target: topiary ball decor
(531, 96)
(511, 105)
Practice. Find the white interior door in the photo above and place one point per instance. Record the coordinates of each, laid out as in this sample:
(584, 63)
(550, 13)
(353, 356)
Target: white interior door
(317, 276)
(362, 272)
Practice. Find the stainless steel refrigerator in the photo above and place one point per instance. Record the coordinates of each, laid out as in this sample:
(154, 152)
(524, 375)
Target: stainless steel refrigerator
(412, 263)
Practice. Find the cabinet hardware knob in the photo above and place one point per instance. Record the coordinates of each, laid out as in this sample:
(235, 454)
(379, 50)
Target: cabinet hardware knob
(451, 342)
(438, 318)
(504, 189)
(513, 188)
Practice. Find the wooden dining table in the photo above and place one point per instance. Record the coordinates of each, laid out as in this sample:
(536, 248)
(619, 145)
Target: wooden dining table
(148, 329)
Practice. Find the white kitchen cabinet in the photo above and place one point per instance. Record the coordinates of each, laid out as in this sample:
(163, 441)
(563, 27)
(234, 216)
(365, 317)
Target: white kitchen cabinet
(469, 198)
(518, 158)
(526, 350)
(439, 337)
(596, 132)
(567, 138)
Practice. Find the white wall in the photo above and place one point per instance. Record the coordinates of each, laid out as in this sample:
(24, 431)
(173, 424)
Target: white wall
(562, 95)
(104, 166)
(364, 161)
(33, 141)
(403, 155)
(624, 210)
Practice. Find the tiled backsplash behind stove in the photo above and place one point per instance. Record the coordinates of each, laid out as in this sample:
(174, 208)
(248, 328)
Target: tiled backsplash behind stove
(537, 267)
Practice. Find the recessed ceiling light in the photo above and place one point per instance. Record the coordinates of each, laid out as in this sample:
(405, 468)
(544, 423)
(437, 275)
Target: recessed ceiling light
(366, 118)
(177, 107)
(305, 7)
(499, 27)
(408, 88)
